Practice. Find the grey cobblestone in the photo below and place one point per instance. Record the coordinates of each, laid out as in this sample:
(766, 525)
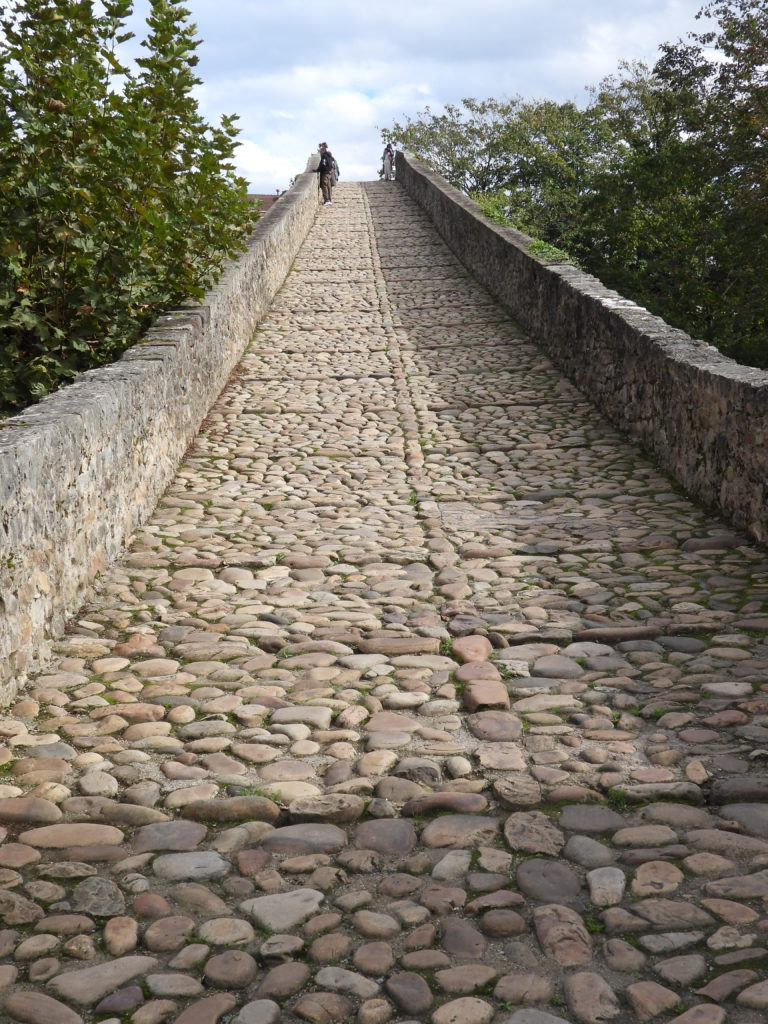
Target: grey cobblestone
(422, 695)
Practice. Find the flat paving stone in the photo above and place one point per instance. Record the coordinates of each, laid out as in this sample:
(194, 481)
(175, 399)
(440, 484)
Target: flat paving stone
(87, 985)
(462, 939)
(65, 836)
(34, 1007)
(590, 998)
(465, 1010)
(258, 1011)
(305, 838)
(495, 726)
(282, 912)
(548, 881)
(530, 1015)
(233, 968)
(460, 830)
(393, 837)
(562, 935)
(175, 867)
(436, 803)
(28, 811)
(99, 897)
(409, 992)
(324, 1007)
(167, 836)
(752, 817)
(533, 832)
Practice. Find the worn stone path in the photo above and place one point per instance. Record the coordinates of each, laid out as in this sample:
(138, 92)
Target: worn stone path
(422, 697)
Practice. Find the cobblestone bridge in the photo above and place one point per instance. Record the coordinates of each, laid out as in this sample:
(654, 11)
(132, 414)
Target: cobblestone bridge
(422, 697)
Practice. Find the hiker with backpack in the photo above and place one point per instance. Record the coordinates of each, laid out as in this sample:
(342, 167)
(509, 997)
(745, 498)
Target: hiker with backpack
(328, 170)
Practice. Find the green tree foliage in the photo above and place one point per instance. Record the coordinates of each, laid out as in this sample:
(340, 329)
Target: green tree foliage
(652, 213)
(116, 199)
(464, 144)
(679, 214)
(529, 156)
(659, 185)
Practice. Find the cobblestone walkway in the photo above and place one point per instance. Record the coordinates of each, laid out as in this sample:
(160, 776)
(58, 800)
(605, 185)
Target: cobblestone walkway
(422, 697)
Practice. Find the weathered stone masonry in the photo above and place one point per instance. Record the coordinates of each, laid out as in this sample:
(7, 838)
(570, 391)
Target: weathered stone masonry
(80, 470)
(703, 416)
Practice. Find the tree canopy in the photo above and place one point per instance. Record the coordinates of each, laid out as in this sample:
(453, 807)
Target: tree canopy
(116, 198)
(657, 184)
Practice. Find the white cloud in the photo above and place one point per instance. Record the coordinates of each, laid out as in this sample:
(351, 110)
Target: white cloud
(256, 163)
(298, 72)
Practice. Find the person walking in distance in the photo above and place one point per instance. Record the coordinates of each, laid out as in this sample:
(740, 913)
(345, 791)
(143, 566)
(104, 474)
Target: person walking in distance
(325, 169)
(387, 162)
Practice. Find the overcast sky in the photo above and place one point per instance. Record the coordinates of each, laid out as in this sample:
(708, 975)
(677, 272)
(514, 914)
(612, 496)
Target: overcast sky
(298, 72)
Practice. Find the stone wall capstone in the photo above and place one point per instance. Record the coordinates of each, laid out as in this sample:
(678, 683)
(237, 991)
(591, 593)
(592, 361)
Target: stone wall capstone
(702, 416)
(84, 467)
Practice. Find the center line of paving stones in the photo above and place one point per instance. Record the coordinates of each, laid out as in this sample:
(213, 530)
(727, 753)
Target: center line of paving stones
(421, 697)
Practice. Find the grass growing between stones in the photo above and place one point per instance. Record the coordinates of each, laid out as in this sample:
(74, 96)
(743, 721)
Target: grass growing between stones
(619, 801)
(593, 924)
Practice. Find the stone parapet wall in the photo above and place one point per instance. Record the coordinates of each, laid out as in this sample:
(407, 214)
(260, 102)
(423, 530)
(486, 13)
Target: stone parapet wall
(83, 468)
(702, 416)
